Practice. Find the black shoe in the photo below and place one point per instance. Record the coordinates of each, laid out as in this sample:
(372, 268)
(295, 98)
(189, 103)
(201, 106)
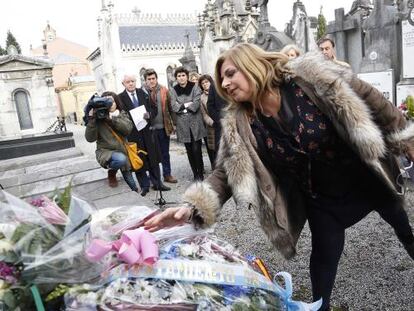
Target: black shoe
(162, 188)
(409, 247)
(144, 191)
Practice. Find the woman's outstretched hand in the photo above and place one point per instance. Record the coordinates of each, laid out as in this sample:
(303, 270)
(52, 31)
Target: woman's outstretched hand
(171, 217)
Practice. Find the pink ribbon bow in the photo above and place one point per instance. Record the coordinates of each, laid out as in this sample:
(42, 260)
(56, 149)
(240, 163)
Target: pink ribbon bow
(134, 246)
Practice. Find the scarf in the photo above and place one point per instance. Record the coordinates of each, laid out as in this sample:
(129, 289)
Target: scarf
(184, 90)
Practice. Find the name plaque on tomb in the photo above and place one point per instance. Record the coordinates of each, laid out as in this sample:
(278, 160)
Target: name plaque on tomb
(403, 91)
(408, 49)
(381, 80)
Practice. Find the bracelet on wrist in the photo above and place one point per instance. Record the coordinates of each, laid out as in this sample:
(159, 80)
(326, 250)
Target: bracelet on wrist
(192, 208)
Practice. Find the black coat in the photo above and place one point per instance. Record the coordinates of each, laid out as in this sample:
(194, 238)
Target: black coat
(146, 139)
(215, 105)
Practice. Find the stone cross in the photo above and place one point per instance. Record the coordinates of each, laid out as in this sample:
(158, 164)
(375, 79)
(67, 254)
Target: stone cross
(382, 37)
(339, 29)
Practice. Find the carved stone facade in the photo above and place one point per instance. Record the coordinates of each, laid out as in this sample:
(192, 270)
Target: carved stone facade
(132, 42)
(223, 24)
(302, 28)
(27, 104)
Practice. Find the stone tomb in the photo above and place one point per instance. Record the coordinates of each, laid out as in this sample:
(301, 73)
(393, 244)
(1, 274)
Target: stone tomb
(27, 104)
(27, 107)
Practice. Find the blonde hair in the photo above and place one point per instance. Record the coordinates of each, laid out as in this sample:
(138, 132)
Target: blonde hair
(263, 70)
(289, 47)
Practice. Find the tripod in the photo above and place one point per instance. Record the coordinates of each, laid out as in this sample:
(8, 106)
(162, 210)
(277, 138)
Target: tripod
(160, 201)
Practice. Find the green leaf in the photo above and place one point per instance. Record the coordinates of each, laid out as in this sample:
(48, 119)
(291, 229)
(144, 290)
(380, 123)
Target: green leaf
(59, 291)
(63, 198)
(9, 299)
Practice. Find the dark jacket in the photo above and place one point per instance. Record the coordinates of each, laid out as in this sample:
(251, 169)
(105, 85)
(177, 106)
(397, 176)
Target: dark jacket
(208, 122)
(146, 138)
(215, 105)
(363, 118)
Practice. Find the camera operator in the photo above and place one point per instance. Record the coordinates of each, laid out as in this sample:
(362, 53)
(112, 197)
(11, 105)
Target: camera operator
(103, 114)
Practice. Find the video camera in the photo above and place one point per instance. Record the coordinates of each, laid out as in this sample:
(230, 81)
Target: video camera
(101, 106)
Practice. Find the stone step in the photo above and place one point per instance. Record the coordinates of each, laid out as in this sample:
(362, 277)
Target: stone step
(100, 189)
(102, 195)
(44, 167)
(47, 186)
(35, 144)
(127, 198)
(11, 164)
(52, 170)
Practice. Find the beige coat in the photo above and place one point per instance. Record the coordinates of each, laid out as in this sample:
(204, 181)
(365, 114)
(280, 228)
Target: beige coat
(363, 118)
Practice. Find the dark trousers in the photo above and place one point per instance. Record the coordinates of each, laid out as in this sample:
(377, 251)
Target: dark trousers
(211, 154)
(328, 233)
(144, 180)
(195, 157)
(164, 143)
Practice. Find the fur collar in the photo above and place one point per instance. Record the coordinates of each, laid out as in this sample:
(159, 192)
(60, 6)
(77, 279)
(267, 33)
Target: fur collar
(184, 90)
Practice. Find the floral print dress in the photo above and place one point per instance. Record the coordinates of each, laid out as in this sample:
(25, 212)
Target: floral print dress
(303, 144)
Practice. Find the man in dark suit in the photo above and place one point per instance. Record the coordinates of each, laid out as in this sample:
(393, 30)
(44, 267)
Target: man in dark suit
(146, 139)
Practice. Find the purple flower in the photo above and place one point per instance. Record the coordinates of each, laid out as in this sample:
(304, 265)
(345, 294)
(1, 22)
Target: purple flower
(8, 272)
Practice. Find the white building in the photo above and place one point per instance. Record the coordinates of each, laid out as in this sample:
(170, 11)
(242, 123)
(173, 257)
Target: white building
(133, 42)
(27, 104)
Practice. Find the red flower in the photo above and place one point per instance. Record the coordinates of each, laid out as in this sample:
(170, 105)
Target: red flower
(269, 143)
(309, 116)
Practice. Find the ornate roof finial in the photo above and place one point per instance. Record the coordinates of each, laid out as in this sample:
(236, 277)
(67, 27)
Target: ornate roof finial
(188, 59)
(103, 6)
(248, 6)
(136, 11)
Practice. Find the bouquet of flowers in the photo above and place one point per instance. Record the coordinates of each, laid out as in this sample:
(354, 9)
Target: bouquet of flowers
(41, 246)
(407, 107)
(193, 271)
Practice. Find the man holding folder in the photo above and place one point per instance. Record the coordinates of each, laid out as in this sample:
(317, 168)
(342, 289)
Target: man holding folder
(133, 100)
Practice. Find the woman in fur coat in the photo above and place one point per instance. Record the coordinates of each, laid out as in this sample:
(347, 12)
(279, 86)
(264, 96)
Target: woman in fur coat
(304, 140)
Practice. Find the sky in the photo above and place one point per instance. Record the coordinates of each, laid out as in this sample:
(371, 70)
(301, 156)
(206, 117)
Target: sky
(75, 20)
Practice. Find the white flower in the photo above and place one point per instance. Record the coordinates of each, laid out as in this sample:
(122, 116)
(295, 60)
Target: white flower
(5, 246)
(188, 250)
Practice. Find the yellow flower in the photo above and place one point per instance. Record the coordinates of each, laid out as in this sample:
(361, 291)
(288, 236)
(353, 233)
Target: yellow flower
(3, 286)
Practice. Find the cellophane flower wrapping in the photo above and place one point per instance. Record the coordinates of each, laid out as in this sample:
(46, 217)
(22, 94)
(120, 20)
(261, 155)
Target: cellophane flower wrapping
(195, 271)
(42, 243)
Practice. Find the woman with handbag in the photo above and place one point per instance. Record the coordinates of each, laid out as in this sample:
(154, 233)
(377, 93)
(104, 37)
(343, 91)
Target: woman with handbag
(110, 136)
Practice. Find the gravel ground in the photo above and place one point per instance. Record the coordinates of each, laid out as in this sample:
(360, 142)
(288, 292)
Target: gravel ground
(374, 273)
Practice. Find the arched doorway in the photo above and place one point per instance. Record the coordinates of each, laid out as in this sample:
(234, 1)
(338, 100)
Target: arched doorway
(141, 76)
(21, 99)
(170, 77)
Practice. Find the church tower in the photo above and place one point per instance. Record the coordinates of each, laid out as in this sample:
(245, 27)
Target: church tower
(49, 33)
